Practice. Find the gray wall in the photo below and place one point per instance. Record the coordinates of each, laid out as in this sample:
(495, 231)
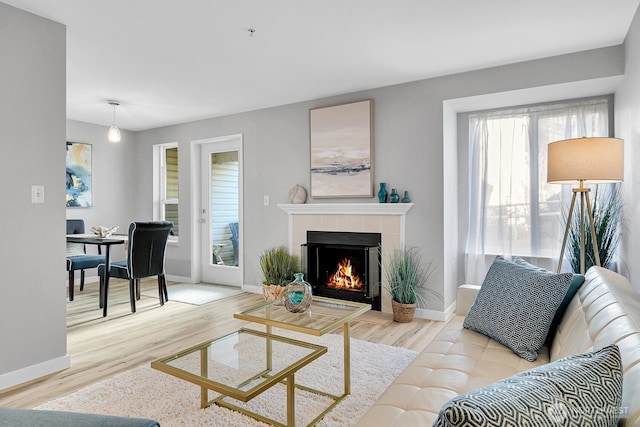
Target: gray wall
(628, 127)
(409, 136)
(32, 252)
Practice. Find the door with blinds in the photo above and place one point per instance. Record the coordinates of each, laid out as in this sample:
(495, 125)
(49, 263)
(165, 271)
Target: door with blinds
(221, 211)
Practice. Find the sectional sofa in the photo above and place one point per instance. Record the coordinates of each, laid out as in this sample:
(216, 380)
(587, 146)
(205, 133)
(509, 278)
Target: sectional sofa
(461, 363)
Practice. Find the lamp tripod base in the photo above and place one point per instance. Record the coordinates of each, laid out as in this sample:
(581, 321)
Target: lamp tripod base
(584, 199)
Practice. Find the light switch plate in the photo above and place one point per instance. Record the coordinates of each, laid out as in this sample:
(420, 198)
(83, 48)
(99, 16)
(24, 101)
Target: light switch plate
(37, 194)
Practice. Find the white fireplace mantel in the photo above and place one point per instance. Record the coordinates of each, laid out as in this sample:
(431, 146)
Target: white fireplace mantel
(388, 219)
(347, 208)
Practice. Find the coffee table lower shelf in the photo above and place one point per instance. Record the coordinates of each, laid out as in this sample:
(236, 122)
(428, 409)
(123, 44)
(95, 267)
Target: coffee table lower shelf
(244, 364)
(290, 405)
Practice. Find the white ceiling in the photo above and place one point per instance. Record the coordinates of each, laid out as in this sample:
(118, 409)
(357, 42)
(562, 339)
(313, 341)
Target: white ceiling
(170, 61)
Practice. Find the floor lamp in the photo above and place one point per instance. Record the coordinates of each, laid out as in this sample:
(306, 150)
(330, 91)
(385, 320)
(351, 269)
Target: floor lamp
(584, 161)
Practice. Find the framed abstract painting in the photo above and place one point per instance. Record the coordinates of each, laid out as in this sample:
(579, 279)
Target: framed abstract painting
(342, 150)
(79, 185)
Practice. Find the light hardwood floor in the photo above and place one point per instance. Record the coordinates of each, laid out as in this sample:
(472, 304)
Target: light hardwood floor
(102, 347)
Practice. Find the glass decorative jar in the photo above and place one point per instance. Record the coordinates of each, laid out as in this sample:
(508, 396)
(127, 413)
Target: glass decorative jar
(394, 197)
(406, 198)
(297, 296)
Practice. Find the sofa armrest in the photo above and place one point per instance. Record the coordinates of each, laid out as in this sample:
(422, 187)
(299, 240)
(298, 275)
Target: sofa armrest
(465, 298)
(34, 417)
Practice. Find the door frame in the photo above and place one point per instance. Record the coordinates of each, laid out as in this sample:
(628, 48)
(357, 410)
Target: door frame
(196, 203)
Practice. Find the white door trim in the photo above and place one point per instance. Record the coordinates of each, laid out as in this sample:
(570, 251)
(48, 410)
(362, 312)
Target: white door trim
(196, 200)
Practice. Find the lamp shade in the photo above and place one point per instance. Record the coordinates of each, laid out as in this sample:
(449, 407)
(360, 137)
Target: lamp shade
(591, 160)
(114, 134)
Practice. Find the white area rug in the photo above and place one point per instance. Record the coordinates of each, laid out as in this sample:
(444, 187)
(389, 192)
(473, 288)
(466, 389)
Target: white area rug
(196, 293)
(148, 393)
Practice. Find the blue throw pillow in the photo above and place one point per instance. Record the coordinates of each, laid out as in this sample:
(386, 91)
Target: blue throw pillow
(576, 281)
(579, 390)
(516, 305)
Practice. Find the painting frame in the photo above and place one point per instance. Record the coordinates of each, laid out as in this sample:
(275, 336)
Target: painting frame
(79, 186)
(342, 150)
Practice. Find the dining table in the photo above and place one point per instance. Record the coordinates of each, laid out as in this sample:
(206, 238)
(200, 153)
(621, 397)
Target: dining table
(106, 243)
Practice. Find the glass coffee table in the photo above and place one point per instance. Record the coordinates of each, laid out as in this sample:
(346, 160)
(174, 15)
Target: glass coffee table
(323, 316)
(242, 365)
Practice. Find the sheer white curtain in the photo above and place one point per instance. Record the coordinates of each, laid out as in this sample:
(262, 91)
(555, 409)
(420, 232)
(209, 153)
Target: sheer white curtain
(512, 209)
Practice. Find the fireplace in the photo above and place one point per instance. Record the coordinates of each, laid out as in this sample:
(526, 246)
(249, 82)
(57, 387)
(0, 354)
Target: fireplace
(344, 265)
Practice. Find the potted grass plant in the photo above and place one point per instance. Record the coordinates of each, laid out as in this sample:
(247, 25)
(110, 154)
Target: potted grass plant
(607, 217)
(278, 268)
(407, 278)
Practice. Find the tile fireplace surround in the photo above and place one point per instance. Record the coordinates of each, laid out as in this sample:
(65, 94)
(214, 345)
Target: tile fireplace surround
(388, 219)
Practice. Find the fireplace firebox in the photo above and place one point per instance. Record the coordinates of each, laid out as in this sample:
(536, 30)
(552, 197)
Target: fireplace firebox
(343, 265)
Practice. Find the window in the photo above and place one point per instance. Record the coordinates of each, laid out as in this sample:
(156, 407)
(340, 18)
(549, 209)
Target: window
(512, 209)
(166, 185)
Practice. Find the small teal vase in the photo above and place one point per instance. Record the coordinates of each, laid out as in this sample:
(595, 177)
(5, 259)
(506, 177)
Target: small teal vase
(382, 194)
(297, 296)
(406, 198)
(394, 197)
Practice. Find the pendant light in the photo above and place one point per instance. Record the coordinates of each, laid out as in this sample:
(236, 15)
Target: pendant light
(114, 133)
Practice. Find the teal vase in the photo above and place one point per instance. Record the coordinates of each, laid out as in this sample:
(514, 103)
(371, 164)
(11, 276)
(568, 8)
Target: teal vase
(382, 194)
(298, 295)
(406, 198)
(394, 197)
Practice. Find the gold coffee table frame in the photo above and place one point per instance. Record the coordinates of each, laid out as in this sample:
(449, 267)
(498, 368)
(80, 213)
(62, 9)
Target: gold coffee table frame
(265, 378)
(323, 316)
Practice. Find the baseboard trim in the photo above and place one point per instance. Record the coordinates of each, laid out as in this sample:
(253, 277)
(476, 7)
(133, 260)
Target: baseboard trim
(442, 316)
(34, 372)
(421, 313)
(181, 279)
(255, 289)
(172, 278)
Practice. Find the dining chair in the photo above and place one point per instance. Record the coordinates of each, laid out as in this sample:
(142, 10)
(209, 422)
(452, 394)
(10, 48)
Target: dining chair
(145, 258)
(77, 258)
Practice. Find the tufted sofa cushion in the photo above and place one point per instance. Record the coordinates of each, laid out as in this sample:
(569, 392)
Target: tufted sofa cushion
(458, 360)
(605, 310)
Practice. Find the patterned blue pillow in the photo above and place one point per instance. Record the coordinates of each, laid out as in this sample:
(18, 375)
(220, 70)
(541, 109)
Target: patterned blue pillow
(579, 390)
(516, 305)
(576, 282)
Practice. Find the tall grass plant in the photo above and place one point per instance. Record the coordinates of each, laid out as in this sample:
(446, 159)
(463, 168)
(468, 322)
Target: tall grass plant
(606, 206)
(278, 266)
(407, 277)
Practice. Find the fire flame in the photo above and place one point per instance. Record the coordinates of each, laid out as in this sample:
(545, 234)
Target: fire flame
(344, 278)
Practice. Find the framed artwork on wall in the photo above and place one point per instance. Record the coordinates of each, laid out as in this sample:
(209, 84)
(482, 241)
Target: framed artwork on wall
(79, 185)
(342, 150)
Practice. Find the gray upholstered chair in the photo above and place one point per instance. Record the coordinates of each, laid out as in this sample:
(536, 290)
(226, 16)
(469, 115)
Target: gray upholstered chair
(77, 258)
(234, 241)
(145, 258)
